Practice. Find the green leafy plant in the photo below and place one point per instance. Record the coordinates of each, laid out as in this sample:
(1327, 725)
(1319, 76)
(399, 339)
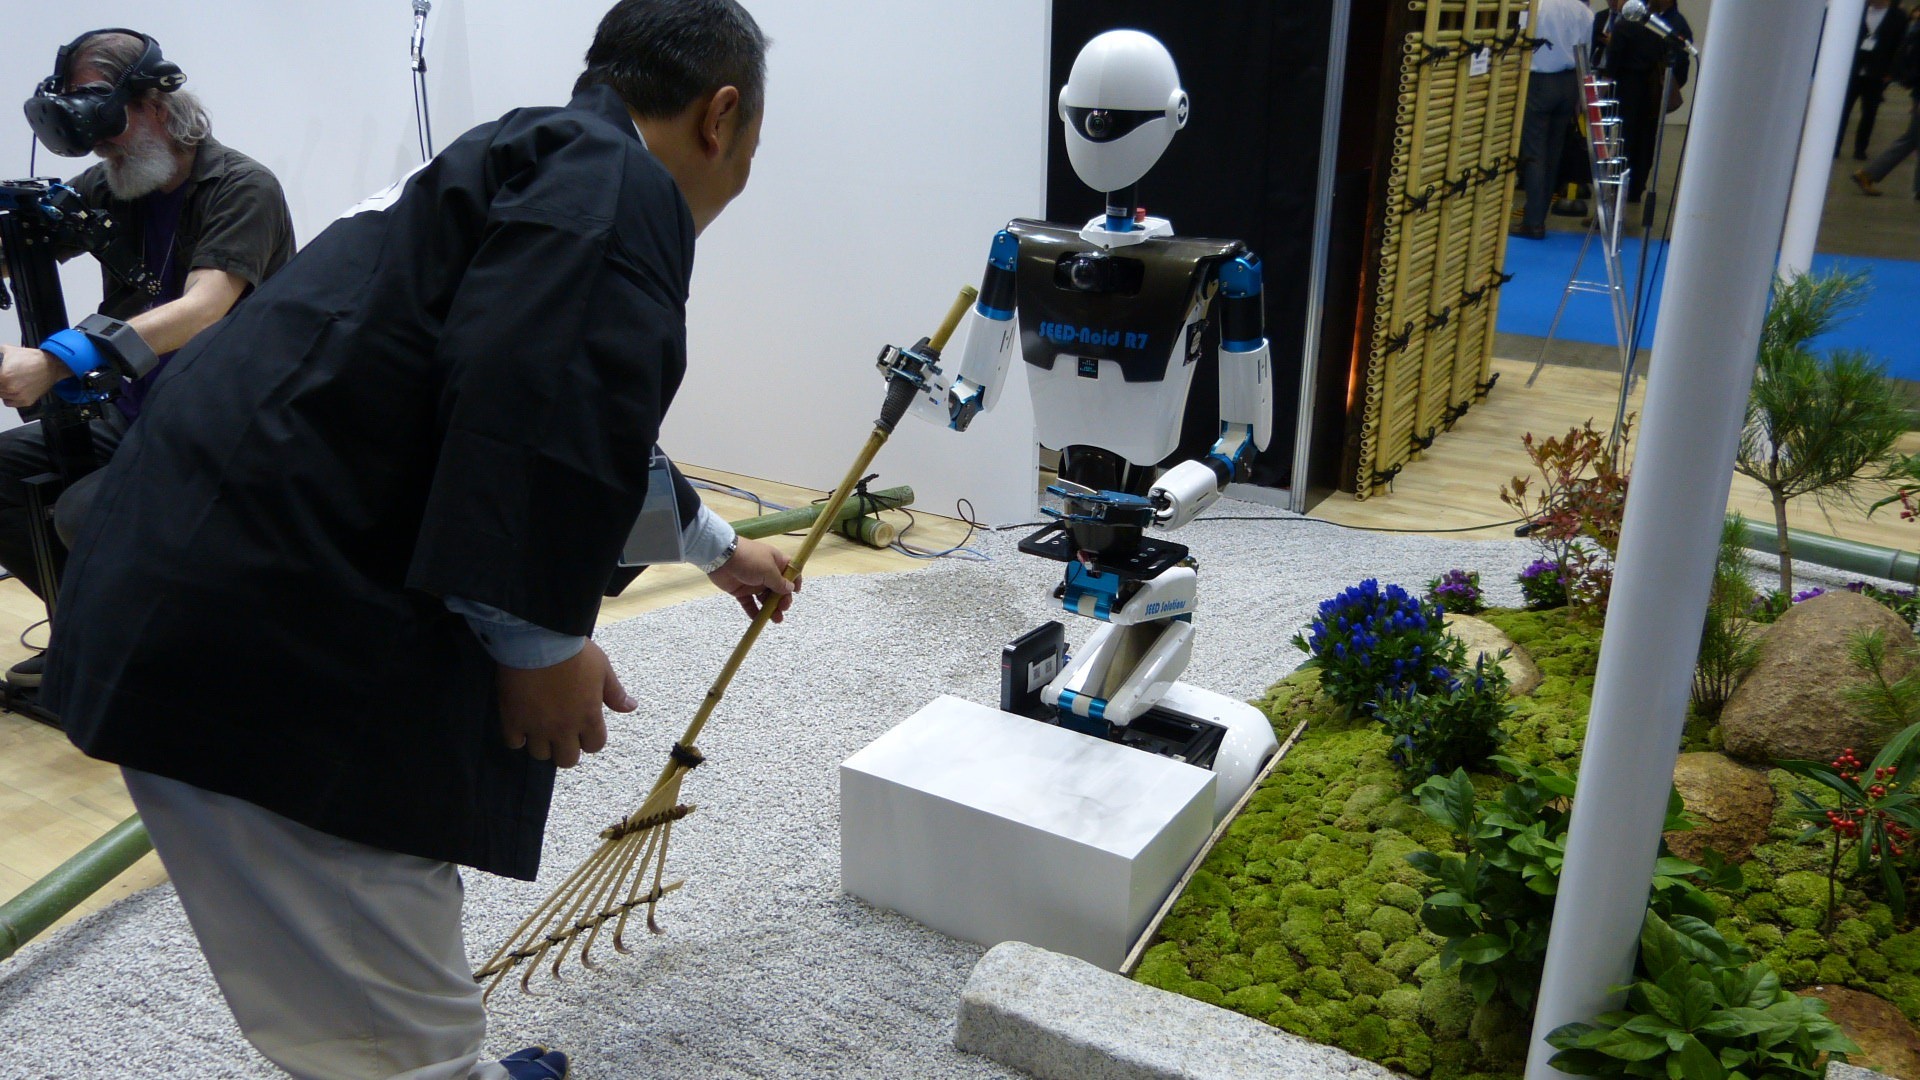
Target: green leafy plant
(1874, 818)
(1493, 902)
(1575, 504)
(1728, 649)
(1817, 424)
(1703, 1011)
(1458, 726)
(1373, 644)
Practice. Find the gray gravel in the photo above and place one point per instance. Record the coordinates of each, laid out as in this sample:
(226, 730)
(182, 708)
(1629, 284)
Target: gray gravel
(766, 969)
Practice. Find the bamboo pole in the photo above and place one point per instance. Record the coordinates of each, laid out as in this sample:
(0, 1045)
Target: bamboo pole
(42, 903)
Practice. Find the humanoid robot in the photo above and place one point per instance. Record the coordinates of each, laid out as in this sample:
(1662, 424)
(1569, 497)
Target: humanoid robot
(1110, 319)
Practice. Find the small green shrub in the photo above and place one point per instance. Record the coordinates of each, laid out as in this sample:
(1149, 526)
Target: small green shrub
(1728, 648)
(1494, 903)
(1460, 727)
(1703, 1011)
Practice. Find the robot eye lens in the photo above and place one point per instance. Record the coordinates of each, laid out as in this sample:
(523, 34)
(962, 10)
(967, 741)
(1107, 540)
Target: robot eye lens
(1099, 123)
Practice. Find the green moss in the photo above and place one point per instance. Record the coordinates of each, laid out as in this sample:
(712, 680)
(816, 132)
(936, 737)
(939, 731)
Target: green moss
(1371, 945)
(1803, 889)
(1835, 969)
(1401, 1003)
(1806, 943)
(1393, 924)
(1363, 976)
(1404, 897)
(1402, 957)
(1446, 1006)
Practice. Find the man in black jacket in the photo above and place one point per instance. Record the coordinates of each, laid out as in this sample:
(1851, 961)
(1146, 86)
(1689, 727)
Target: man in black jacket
(1906, 71)
(1882, 27)
(386, 497)
(1636, 59)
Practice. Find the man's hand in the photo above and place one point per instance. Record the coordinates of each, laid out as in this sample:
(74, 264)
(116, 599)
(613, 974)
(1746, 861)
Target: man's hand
(27, 374)
(554, 712)
(754, 576)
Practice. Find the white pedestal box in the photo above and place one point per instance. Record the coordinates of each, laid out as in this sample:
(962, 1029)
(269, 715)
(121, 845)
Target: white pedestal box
(993, 827)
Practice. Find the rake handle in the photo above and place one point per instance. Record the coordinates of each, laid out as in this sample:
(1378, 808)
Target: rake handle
(821, 526)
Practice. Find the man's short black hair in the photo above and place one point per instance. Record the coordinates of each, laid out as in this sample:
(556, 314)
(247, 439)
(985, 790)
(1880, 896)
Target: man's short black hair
(663, 55)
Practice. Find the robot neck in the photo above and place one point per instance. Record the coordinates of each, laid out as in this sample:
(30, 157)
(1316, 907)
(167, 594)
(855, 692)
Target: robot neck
(1120, 208)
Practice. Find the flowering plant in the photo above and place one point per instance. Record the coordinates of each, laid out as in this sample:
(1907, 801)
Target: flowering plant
(1457, 591)
(1544, 585)
(1453, 727)
(1372, 645)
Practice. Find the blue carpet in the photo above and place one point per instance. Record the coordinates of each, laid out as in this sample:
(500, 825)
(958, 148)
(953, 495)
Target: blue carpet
(1884, 326)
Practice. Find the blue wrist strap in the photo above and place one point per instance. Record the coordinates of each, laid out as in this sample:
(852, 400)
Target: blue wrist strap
(74, 349)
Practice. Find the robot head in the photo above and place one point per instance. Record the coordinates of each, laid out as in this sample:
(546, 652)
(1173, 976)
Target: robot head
(1121, 105)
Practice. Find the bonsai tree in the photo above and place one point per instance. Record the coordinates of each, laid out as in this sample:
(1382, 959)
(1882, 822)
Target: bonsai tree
(1817, 423)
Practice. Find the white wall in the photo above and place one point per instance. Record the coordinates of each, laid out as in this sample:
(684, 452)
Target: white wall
(898, 138)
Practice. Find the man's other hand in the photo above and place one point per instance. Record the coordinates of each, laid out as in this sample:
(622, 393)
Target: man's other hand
(27, 374)
(755, 576)
(554, 712)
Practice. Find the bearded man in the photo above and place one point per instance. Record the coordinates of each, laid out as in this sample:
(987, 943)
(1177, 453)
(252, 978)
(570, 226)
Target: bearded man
(207, 221)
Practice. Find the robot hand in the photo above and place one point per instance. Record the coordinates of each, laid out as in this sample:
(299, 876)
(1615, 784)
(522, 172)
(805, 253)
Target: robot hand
(1185, 490)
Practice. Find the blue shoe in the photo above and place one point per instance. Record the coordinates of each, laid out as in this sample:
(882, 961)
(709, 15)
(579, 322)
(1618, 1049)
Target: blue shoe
(536, 1063)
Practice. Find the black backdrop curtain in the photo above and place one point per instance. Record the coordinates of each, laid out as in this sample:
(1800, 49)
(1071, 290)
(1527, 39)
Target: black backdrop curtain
(1245, 167)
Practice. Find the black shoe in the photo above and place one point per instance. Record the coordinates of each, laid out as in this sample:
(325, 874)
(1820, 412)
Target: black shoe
(1569, 207)
(1538, 232)
(25, 675)
(1859, 155)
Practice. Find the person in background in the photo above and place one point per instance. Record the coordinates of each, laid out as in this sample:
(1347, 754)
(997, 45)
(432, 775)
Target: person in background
(1883, 26)
(1907, 72)
(1553, 99)
(1636, 59)
(207, 221)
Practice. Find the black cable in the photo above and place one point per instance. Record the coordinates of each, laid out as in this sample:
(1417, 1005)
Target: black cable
(1304, 521)
(426, 116)
(31, 627)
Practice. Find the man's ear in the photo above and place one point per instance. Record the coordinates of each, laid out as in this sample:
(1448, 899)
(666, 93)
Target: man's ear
(722, 111)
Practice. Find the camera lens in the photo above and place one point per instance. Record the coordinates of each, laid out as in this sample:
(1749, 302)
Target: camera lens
(1098, 124)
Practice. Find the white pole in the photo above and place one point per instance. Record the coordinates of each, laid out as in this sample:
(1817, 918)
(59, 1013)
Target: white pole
(1817, 139)
(1729, 209)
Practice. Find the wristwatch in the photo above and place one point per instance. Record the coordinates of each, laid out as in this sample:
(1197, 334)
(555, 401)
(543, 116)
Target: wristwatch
(733, 545)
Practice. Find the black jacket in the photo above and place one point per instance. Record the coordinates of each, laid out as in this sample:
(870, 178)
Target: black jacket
(452, 391)
(1635, 50)
(1878, 61)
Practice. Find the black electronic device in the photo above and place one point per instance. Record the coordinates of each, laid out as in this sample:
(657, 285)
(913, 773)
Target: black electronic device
(1027, 663)
(72, 120)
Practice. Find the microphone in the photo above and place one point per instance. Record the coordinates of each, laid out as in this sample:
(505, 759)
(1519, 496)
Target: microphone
(1635, 11)
(420, 9)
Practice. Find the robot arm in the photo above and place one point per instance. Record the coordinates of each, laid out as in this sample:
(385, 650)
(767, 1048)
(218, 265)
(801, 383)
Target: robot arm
(1246, 402)
(990, 338)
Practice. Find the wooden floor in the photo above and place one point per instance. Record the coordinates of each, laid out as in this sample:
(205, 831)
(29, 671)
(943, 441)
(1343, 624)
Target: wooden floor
(55, 801)
(1456, 484)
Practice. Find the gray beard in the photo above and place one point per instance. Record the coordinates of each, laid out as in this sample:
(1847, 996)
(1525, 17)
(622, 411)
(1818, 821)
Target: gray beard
(143, 169)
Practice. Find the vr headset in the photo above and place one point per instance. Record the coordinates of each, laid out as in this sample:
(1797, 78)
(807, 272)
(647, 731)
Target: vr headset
(71, 121)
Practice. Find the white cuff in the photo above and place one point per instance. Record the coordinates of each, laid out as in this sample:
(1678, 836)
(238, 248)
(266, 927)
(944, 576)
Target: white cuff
(707, 541)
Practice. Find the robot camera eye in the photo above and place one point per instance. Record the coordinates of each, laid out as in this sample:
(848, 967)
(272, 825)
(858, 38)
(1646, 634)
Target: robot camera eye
(1099, 123)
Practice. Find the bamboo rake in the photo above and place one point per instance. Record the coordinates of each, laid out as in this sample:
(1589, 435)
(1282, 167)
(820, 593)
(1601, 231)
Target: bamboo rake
(614, 880)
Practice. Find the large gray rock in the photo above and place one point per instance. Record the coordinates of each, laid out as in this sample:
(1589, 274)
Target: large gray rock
(1060, 1018)
(1793, 704)
(1838, 1071)
(1484, 638)
(1731, 806)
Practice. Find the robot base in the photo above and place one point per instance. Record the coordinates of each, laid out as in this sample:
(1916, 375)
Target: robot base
(1246, 738)
(991, 826)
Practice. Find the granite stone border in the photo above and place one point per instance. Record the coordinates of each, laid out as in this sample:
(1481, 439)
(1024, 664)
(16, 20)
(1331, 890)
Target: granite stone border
(1058, 1017)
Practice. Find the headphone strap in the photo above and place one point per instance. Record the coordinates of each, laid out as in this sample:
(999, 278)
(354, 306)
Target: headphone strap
(143, 74)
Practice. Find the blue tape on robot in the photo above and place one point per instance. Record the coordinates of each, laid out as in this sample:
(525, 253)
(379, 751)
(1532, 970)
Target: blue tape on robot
(1066, 334)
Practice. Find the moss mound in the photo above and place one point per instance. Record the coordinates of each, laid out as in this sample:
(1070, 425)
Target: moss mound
(1306, 913)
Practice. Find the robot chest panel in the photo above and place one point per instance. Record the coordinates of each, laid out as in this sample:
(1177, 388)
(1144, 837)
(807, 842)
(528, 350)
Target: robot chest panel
(1142, 307)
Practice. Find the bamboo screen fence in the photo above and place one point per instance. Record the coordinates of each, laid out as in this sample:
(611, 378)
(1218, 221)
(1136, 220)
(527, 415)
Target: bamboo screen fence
(1441, 226)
